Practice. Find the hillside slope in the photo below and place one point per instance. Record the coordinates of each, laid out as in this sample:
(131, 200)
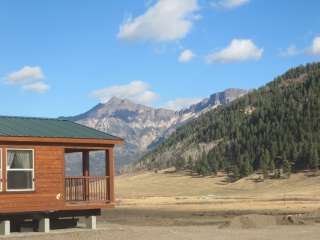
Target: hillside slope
(276, 126)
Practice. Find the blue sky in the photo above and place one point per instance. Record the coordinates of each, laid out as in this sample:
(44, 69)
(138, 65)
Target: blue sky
(63, 57)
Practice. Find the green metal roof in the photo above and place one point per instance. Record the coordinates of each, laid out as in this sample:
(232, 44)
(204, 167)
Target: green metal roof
(49, 128)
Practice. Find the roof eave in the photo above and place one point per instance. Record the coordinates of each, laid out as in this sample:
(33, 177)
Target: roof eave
(21, 139)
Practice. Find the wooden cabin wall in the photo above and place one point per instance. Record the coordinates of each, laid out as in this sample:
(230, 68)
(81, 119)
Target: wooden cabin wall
(49, 182)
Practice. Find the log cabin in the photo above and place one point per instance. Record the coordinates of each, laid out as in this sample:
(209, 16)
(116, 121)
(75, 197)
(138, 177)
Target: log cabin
(47, 172)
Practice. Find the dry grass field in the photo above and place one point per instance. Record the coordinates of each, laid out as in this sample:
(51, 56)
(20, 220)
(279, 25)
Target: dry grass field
(180, 191)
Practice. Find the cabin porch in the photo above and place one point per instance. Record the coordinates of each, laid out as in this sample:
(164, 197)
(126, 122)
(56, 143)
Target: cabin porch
(88, 177)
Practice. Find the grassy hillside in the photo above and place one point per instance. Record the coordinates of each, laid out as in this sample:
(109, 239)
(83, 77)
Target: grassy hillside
(272, 128)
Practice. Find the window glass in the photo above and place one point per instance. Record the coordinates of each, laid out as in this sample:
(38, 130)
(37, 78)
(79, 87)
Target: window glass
(20, 170)
(20, 180)
(20, 159)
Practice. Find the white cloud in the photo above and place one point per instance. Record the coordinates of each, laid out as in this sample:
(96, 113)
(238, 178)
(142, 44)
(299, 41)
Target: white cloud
(181, 103)
(186, 56)
(24, 74)
(291, 51)
(229, 4)
(137, 91)
(167, 20)
(39, 87)
(315, 47)
(239, 50)
(29, 79)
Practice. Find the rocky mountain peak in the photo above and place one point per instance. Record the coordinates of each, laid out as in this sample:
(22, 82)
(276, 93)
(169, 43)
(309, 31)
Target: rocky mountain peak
(216, 99)
(145, 127)
(121, 103)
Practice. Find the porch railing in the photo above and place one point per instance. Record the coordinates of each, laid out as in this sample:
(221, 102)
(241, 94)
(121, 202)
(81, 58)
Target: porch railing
(87, 189)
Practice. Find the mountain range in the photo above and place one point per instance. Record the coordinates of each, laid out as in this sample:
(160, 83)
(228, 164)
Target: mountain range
(143, 127)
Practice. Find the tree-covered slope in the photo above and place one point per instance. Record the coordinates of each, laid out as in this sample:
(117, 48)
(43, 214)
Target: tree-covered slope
(274, 127)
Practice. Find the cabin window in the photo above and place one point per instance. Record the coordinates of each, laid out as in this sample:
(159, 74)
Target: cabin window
(0, 169)
(20, 170)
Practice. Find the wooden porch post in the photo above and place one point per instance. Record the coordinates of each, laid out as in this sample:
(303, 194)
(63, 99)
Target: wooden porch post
(86, 173)
(110, 174)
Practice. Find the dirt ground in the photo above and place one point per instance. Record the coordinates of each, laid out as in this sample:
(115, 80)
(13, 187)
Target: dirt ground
(120, 232)
(168, 205)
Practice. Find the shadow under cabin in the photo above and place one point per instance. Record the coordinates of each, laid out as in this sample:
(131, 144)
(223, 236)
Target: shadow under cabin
(52, 172)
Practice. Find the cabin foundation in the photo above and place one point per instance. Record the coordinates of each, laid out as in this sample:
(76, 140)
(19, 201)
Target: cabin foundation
(44, 225)
(91, 222)
(5, 227)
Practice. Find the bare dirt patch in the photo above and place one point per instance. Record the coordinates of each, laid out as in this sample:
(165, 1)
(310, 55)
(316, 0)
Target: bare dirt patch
(252, 221)
(118, 232)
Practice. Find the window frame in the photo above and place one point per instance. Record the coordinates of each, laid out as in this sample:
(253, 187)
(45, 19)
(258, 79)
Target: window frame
(20, 170)
(1, 172)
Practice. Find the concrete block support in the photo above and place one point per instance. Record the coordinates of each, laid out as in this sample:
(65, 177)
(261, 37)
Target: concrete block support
(5, 227)
(91, 222)
(44, 225)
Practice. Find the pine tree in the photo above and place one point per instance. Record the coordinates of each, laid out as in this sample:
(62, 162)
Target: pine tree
(294, 153)
(179, 163)
(213, 163)
(235, 173)
(286, 167)
(245, 168)
(190, 163)
(202, 167)
(314, 159)
(265, 159)
(272, 166)
(265, 171)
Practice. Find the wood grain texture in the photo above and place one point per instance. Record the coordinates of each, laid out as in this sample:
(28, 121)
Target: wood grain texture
(49, 180)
